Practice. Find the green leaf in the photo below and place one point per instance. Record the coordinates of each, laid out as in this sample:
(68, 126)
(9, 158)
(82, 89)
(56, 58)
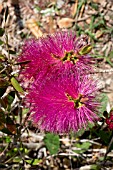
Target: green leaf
(2, 57)
(101, 158)
(10, 97)
(111, 54)
(95, 167)
(109, 62)
(1, 42)
(83, 147)
(92, 35)
(105, 136)
(16, 85)
(94, 5)
(36, 161)
(80, 133)
(16, 159)
(8, 139)
(25, 111)
(104, 101)
(38, 8)
(85, 50)
(33, 161)
(52, 143)
(1, 32)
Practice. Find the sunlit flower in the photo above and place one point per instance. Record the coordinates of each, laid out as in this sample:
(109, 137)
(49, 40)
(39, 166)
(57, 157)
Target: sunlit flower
(64, 106)
(31, 58)
(60, 52)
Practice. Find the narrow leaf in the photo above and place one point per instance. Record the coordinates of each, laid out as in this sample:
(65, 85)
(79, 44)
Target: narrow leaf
(85, 50)
(104, 102)
(16, 85)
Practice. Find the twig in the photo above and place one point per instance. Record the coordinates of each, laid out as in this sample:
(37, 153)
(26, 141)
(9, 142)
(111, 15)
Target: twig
(102, 71)
(83, 19)
(108, 149)
(75, 8)
(82, 10)
(70, 148)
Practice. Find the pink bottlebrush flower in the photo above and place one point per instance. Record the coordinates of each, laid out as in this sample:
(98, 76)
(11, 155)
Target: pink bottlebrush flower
(109, 121)
(31, 58)
(64, 106)
(60, 52)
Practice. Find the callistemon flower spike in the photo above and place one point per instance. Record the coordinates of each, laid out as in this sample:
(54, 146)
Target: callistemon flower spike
(31, 52)
(66, 49)
(64, 106)
(61, 51)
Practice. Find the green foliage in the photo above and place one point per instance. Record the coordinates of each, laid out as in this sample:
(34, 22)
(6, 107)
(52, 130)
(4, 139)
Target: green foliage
(85, 50)
(109, 58)
(83, 147)
(111, 54)
(9, 126)
(104, 101)
(95, 167)
(2, 58)
(1, 42)
(16, 85)
(52, 143)
(7, 139)
(33, 161)
(10, 97)
(79, 133)
(104, 136)
(94, 5)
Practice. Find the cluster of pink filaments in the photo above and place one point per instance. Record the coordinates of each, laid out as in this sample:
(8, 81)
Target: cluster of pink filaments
(63, 95)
